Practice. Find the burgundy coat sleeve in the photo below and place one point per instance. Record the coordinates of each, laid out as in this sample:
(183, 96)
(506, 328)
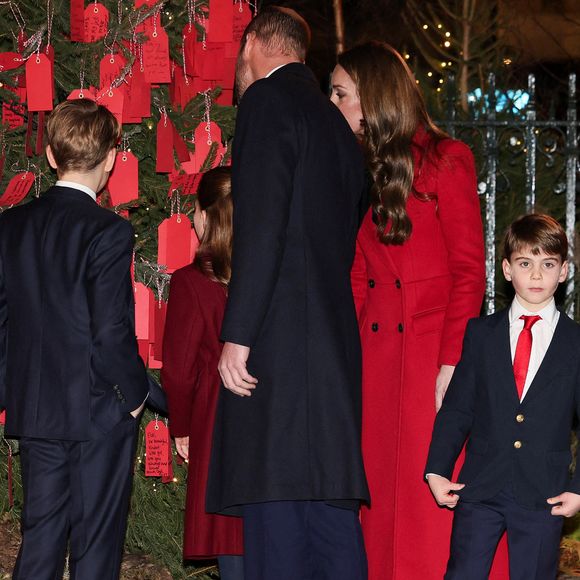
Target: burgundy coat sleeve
(184, 329)
(460, 218)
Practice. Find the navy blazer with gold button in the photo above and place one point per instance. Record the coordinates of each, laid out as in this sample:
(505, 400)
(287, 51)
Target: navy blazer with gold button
(523, 444)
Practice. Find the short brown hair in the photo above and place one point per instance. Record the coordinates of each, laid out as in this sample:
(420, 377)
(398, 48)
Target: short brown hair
(214, 255)
(540, 233)
(280, 29)
(80, 134)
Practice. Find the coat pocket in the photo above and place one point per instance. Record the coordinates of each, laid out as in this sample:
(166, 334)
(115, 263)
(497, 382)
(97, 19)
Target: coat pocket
(429, 321)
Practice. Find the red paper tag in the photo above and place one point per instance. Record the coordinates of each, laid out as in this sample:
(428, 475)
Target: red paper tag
(13, 114)
(156, 57)
(17, 189)
(164, 162)
(144, 304)
(152, 362)
(174, 242)
(213, 63)
(10, 60)
(96, 22)
(160, 313)
(110, 70)
(39, 83)
(3, 418)
(123, 184)
(77, 20)
(157, 450)
(242, 16)
(184, 183)
(180, 146)
(220, 25)
(203, 142)
(137, 96)
(89, 93)
(113, 100)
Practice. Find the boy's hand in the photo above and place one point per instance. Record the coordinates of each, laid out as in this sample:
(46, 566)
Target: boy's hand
(569, 504)
(442, 490)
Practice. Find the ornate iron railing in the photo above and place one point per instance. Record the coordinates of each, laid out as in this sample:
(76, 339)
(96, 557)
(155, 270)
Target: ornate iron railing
(517, 150)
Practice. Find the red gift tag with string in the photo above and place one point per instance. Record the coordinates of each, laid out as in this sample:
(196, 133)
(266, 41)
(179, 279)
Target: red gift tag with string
(96, 22)
(174, 242)
(113, 100)
(241, 18)
(157, 449)
(184, 183)
(144, 304)
(180, 146)
(10, 60)
(13, 114)
(39, 83)
(204, 140)
(123, 184)
(164, 162)
(156, 57)
(220, 25)
(213, 64)
(110, 69)
(17, 189)
(89, 93)
(77, 20)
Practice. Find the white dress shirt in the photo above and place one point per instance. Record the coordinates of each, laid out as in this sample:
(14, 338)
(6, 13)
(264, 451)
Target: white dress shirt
(79, 186)
(542, 334)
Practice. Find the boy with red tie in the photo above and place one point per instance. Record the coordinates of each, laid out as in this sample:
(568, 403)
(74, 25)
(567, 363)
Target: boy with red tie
(514, 397)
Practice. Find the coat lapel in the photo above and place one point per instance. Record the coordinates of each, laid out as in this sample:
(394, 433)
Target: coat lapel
(560, 349)
(501, 344)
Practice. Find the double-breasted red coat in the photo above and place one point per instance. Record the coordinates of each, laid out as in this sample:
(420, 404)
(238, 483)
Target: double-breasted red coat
(191, 350)
(413, 303)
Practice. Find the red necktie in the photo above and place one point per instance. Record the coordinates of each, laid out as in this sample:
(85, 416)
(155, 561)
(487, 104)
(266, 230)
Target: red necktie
(523, 352)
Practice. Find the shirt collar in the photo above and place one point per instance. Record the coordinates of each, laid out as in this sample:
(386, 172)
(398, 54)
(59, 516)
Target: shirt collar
(79, 186)
(548, 313)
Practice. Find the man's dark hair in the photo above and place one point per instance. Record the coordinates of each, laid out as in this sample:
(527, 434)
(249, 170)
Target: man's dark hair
(538, 232)
(280, 29)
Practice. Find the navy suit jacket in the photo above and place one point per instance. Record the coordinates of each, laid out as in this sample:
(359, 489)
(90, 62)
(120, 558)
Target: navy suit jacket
(524, 444)
(69, 363)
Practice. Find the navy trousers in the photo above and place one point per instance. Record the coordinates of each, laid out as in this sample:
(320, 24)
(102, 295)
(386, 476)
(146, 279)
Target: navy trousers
(78, 492)
(302, 540)
(533, 539)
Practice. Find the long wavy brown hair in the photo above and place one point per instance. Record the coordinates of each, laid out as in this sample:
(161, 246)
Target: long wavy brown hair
(214, 255)
(393, 110)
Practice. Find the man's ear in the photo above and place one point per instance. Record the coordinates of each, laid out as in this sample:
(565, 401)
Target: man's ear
(563, 271)
(110, 160)
(249, 44)
(50, 157)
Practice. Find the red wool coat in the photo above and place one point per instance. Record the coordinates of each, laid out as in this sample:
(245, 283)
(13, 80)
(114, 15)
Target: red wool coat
(191, 350)
(413, 302)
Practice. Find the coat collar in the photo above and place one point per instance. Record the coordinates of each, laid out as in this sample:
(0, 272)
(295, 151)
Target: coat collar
(561, 349)
(70, 193)
(296, 69)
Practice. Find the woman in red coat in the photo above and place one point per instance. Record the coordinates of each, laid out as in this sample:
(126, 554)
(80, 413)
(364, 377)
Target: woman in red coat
(418, 276)
(191, 350)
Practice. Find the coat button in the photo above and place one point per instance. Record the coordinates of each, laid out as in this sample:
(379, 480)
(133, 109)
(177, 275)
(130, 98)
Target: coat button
(520, 418)
(517, 444)
(398, 283)
(375, 326)
(371, 283)
(400, 327)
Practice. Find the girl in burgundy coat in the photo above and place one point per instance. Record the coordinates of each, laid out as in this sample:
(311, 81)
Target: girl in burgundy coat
(418, 276)
(191, 350)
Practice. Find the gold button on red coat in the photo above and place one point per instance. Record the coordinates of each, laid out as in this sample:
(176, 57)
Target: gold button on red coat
(520, 418)
(517, 444)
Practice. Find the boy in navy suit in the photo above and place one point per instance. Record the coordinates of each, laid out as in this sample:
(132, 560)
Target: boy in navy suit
(514, 397)
(71, 379)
